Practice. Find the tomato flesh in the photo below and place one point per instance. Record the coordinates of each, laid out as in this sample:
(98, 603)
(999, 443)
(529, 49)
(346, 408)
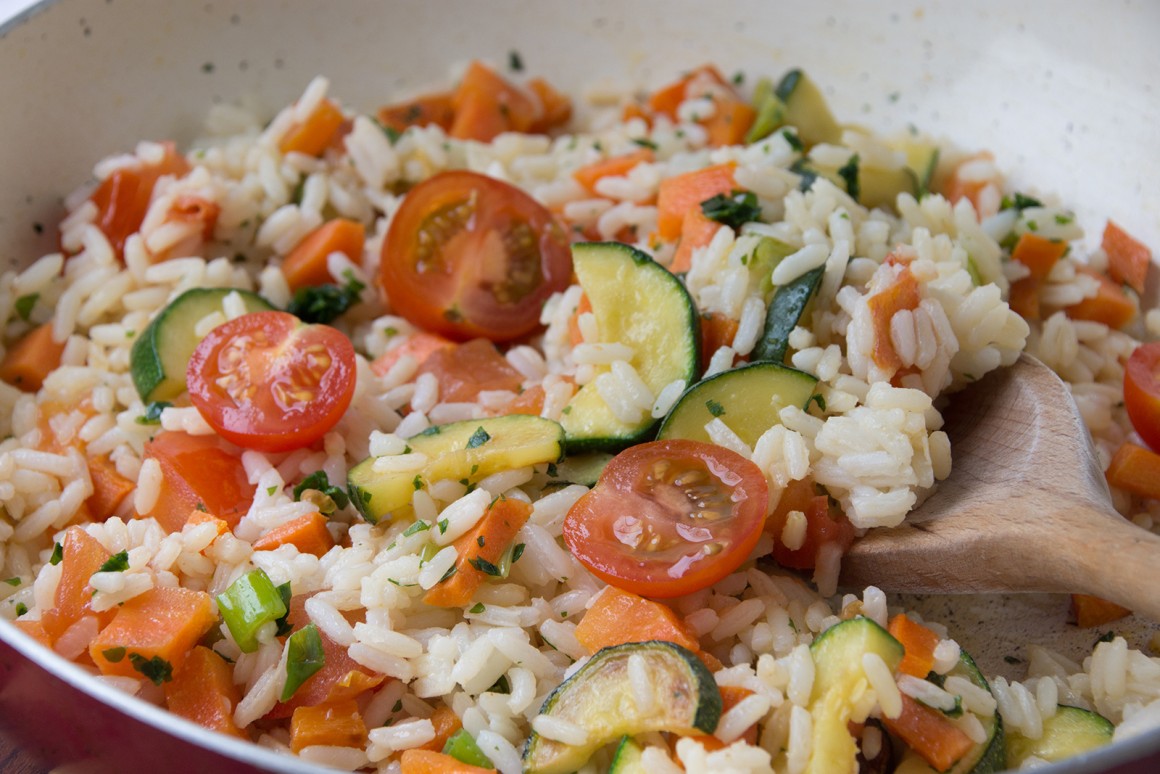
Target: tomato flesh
(266, 381)
(197, 474)
(1142, 392)
(470, 256)
(667, 518)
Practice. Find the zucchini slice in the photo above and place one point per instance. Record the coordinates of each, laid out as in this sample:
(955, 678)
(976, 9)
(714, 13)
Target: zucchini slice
(638, 303)
(921, 160)
(161, 353)
(806, 109)
(869, 186)
(580, 469)
(599, 698)
(983, 758)
(627, 758)
(786, 308)
(461, 451)
(1070, 731)
(747, 399)
(770, 111)
(838, 675)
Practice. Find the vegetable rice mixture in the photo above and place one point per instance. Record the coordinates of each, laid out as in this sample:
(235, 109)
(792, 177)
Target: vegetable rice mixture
(472, 434)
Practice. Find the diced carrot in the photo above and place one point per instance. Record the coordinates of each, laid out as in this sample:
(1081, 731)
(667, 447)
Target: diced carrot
(35, 630)
(1135, 469)
(961, 186)
(312, 135)
(29, 361)
(680, 193)
(717, 330)
(466, 370)
(487, 105)
(616, 166)
(419, 345)
(1128, 259)
(633, 109)
(486, 542)
(1110, 306)
(582, 307)
(332, 725)
(425, 110)
(731, 696)
(123, 198)
(306, 533)
(203, 691)
(530, 401)
(557, 108)
(900, 294)
(201, 517)
(730, 123)
(161, 626)
(1093, 611)
(340, 679)
(306, 265)
(446, 723)
(824, 525)
(1038, 254)
(928, 732)
(918, 643)
(419, 761)
(668, 98)
(197, 474)
(82, 555)
(618, 616)
(110, 488)
(1023, 298)
(696, 231)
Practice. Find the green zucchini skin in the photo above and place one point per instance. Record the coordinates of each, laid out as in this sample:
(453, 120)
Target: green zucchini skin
(786, 308)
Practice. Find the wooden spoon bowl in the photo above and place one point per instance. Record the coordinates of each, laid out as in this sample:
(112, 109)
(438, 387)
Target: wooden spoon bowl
(1026, 507)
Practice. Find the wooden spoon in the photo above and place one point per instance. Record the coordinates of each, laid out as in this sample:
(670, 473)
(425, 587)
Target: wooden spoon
(1026, 507)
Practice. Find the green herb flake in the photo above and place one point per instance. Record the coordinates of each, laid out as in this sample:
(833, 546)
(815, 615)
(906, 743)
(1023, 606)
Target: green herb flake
(443, 525)
(518, 551)
(553, 471)
(481, 541)
(21, 609)
(156, 669)
(304, 657)
(738, 78)
(566, 410)
(13, 581)
(1012, 659)
(484, 566)
(24, 305)
(849, 173)
(793, 140)
(398, 706)
(478, 438)
(1062, 219)
(283, 624)
(732, 210)
(299, 190)
(417, 527)
(270, 490)
(715, 408)
(645, 142)
(1032, 225)
(152, 414)
(1019, 202)
(325, 303)
(1107, 636)
(515, 62)
(477, 608)
(417, 482)
(57, 554)
(118, 562)
(450, 571)
(114, 655)
(319, 482)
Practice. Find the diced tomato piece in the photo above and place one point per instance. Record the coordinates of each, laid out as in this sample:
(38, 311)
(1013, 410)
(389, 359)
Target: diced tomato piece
(197, 474)
(468, 369)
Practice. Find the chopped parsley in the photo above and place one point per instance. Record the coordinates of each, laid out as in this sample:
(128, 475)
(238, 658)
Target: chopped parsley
(645, 142)
(21, 609)
(484, 566)
(1107, 636)
(1019, 202)
(517, 552)
(416, 482)
(1062, 219)
(152, 415)
(417, 527)
(552, 470)
(808, 175)
(13, 581)
(478, 438)
(304, 657)
(515, 61)
(481, 541)
(118, 562)
(849, 173)
(443, 525)
(270, 490)
(319, 482)
(114, 655)
(1012, 659)
(715, 408)
(24, 305)
(477, 608)
(283, 624)
(450, 571)
(299, 190)
(156, 669)
(733, 210)
(793, 140)
(324, 303)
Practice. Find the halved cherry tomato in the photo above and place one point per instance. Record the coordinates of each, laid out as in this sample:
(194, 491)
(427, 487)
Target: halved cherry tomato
(266, 381)
(470, 256)
(667, 518)
(1142, 392)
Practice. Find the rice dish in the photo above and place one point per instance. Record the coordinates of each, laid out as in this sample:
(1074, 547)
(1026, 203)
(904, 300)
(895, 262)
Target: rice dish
(907, 301)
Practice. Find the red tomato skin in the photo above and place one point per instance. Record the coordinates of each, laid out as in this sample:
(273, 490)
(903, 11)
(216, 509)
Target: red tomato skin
(259, 420)
(456, 295)
(1142, 392)
(619, 494)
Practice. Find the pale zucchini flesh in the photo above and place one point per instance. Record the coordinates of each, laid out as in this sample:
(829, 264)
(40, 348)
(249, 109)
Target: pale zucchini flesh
(640, 304)
(465, 451)
(1070, 731)
(599, 698)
